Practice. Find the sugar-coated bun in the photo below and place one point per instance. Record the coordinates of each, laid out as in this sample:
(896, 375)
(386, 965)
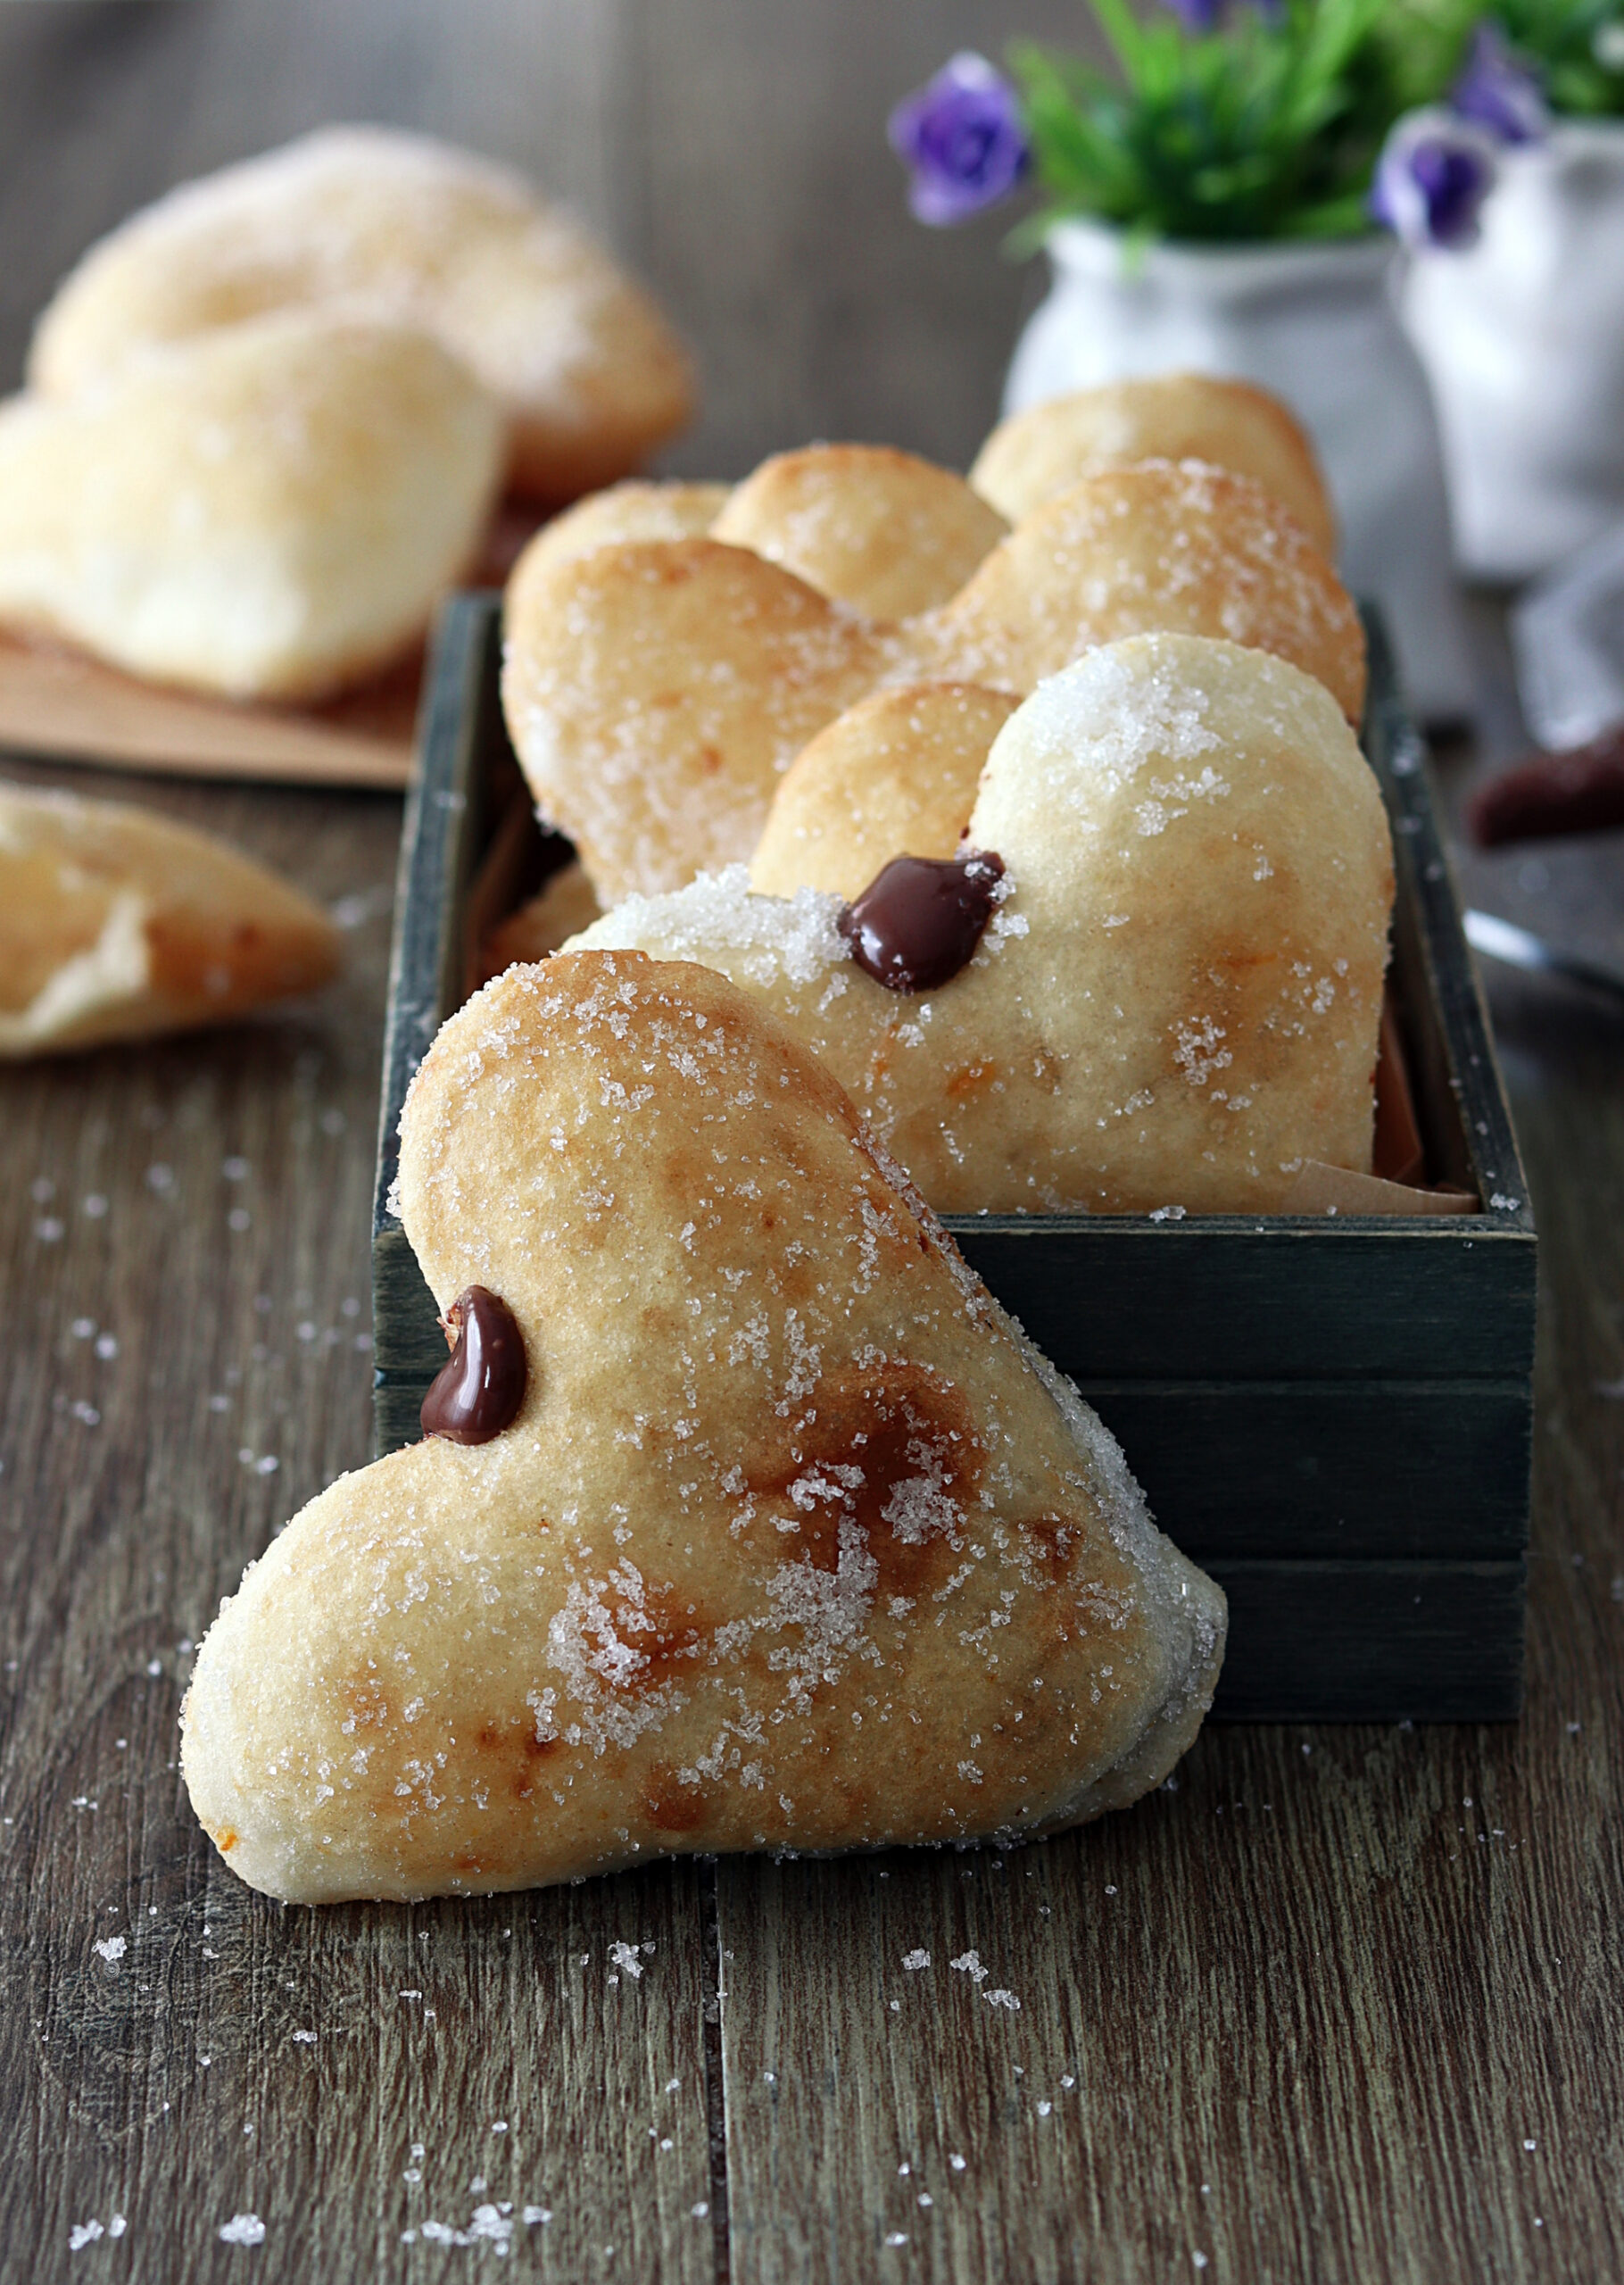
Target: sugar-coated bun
(1162, 417)
(1177, 1000)
(636, 510)
(792, 1539)
(115, 923)
(1179, 546)
(656, 691)
(896, 775)
(392, 226)
(656, 694)
(559, 910)
(267, 512)
(866, 524)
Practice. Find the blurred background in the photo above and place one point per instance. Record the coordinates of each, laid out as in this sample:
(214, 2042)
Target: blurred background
(733, 155)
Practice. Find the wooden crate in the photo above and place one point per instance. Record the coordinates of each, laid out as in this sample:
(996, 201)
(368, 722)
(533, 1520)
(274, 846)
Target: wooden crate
(1332, 1415)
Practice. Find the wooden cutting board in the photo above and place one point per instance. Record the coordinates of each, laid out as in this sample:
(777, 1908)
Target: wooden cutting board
(59, 702)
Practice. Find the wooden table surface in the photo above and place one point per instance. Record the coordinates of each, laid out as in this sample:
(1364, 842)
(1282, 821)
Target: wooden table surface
(1342, 2005)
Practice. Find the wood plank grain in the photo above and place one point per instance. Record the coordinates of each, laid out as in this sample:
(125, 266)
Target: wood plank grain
(1209, 2055)
(183, 1248)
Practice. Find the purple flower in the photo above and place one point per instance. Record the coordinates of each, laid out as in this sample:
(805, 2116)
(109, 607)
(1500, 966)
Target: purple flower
(1200, 16)
(961, 135)
(1497, 93)
(1433, 176)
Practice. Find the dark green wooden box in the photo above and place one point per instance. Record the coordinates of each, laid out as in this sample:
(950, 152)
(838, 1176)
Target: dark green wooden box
(1332, 1415)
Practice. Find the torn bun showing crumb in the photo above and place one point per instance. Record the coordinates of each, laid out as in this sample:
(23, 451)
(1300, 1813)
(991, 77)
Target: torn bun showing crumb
(115, 924)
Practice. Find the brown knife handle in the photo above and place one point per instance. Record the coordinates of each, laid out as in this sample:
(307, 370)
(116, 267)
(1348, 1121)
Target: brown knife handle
(1581, 791)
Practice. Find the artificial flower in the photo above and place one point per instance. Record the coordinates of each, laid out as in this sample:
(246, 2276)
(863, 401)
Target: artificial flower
(1435, 171)
(1499, 93)
(961, 136)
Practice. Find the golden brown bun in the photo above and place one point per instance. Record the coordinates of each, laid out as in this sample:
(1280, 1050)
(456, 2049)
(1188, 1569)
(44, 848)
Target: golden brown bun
(656, 691)
(268, 513)
(560, 910)
(1177, 1003)
(655, 694)
(1180, 547)
(890, 535)
(115, 924)
(896, 775)
(795, 1541)
(866, 526)
(373, 223)
(637, 509)
(1034, 455)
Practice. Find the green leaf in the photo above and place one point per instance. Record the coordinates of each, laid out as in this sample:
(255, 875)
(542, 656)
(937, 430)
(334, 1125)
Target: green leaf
(1268, 127)
(1127, 40)
(1348, 217)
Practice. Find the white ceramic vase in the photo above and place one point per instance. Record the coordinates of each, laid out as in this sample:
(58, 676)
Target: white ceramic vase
(1523, 337)
(1317, 325)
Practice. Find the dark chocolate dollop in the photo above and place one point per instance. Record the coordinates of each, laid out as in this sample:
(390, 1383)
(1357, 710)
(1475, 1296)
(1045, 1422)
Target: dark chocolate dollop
(920, 918)
(479, 1390)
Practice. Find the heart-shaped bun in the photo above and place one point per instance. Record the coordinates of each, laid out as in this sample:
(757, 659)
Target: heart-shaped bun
(897, 772)
(1163, 545)
(1177, 1000)
(368, 222)
(656, 693)
(888, 533)
(794, 1541)
(270, 512)
(642, 508)
(1035, 455)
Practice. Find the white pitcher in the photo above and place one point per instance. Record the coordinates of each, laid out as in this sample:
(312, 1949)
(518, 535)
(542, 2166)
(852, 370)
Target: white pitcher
(1523, 337)
(1317, 325)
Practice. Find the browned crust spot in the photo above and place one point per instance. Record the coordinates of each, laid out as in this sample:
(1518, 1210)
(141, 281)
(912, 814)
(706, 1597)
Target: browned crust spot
(863, 1435)
(671, 1805)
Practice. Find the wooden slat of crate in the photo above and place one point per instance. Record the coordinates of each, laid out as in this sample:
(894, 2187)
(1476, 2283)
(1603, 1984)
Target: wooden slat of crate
(1371, 1641)
(1363, 1470)
(439, 841)
(1109, 1297)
